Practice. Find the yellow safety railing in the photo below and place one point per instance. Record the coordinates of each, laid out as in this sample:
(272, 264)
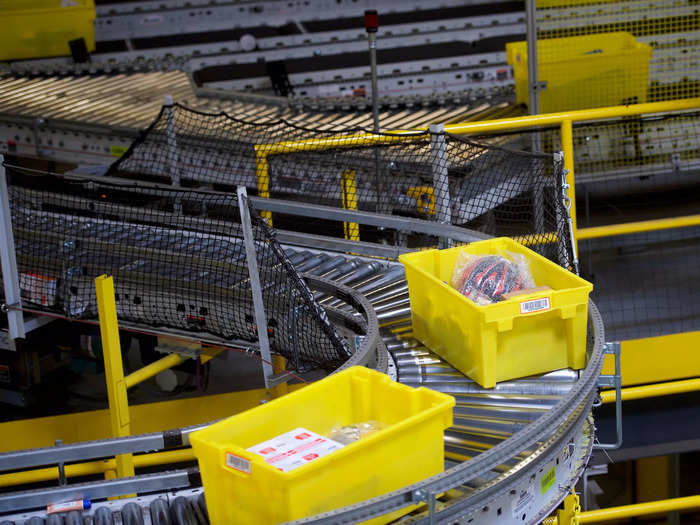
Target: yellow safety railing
(571, 514)
(114, 370)
(564, 120)
(667, 388)
(639, 509)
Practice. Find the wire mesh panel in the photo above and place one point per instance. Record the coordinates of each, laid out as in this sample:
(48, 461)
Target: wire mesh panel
(441, 177)
(644, 169)
(178, 260)
(632, 50)
(645, 283)
(661, 146)
(633, 169)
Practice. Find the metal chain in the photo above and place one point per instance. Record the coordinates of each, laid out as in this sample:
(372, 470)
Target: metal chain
(566, 200)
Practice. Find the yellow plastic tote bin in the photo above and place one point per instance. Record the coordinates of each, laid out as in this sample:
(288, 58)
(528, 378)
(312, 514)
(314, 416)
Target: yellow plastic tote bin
(583, 72)
(410, 448)
(496, 342)
(43, 28)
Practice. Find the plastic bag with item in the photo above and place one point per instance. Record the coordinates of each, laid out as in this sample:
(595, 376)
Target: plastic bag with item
(350, 433)
(486, 278)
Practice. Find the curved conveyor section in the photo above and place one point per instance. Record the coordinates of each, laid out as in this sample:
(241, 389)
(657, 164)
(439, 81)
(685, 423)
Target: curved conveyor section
(511, 455)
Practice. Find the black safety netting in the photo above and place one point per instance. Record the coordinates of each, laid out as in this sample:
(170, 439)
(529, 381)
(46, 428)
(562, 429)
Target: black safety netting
(433, 176)
(177, 257)
(439, 177)
(188, 147)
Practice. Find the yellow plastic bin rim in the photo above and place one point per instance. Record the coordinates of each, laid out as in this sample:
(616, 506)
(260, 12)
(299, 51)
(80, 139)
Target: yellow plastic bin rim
(486, 307)
(445, 401)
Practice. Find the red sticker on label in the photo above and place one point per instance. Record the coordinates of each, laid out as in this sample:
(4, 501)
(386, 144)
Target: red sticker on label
(303, 436)
(309, 457)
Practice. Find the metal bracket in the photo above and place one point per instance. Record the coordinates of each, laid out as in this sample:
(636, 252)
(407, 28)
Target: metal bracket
(567, 206)
(278, 379)
(569, 515)
(193, 353)
(423, 495)
(61, 467)
(614, 380)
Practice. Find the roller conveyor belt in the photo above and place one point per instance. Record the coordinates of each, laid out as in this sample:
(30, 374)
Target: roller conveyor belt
(484, 419)
(132, 101)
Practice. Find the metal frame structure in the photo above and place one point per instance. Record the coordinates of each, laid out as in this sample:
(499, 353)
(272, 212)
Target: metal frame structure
(15, 320)
(135, 37)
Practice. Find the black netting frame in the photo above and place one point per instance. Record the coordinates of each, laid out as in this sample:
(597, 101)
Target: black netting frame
(435, 176)
(178, 261)
(194, 147)
(492, 189)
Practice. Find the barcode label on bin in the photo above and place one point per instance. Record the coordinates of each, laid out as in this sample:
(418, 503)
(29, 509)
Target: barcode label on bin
(237, 462)
(535, 305)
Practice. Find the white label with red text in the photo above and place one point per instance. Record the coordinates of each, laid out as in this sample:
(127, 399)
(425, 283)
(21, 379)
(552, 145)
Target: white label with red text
(37, 288)
(294, 449)
(534, 305)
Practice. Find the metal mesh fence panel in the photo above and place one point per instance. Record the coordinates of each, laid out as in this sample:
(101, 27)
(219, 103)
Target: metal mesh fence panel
(642, 169)
(633, 51)
(178, 260)
(645, 283)
(434, 176)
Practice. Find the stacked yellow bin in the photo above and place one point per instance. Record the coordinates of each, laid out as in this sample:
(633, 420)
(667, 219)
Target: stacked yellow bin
(43, 28)
(583, 72)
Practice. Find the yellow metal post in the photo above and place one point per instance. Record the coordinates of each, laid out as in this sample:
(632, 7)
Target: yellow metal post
(114, 370)
(348, 187)
(153, 369)
(638, 227)
(279, 364)
(263, 176)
